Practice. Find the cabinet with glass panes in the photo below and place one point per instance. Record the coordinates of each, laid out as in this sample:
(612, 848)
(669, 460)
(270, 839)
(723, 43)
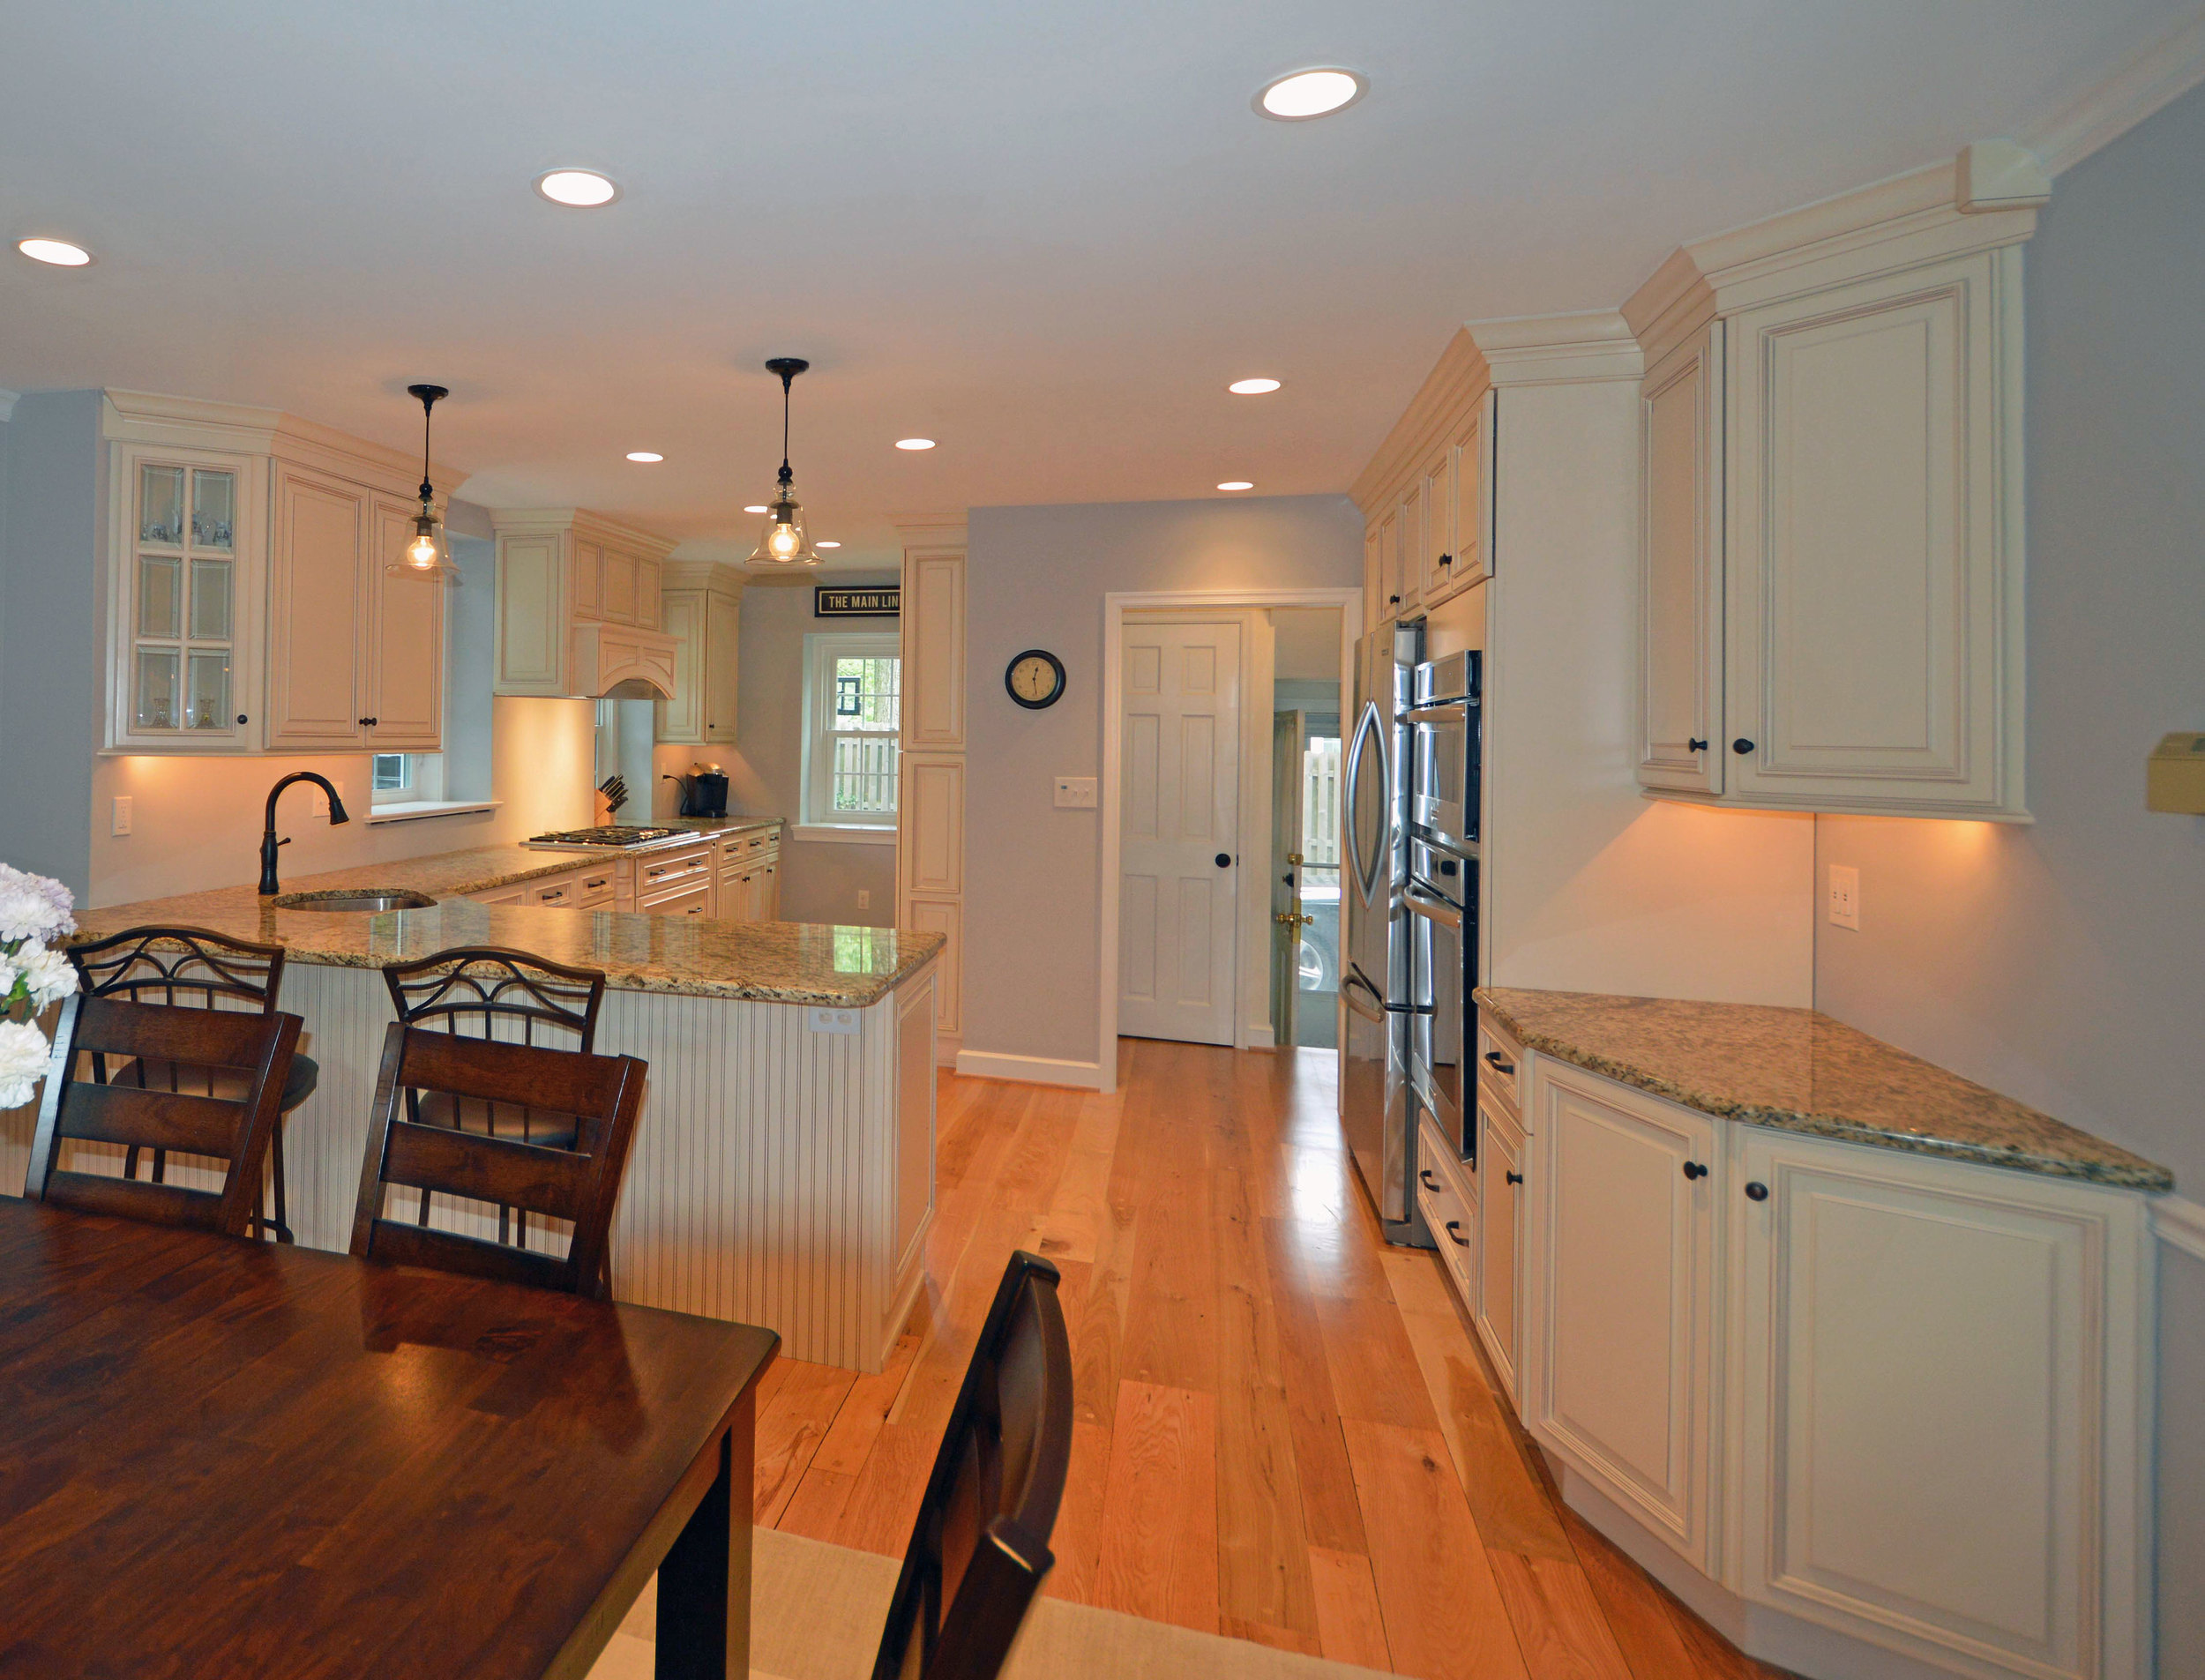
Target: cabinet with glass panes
(191, 581)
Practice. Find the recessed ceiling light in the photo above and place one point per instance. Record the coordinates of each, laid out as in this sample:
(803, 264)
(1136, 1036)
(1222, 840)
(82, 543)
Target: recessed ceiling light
(758, 508)
(59, 252)
(1235, 485)
(1310, 93)
(580, 188)
(645, 455)
(915, 442)
(1251, 387)
(826, 545)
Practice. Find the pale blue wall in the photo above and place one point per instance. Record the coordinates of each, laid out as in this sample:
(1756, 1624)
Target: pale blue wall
(2063, 963)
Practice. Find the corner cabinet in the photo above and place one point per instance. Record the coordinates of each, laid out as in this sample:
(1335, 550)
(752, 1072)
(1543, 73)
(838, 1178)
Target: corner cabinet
(252, 606)
(1428, 532)
(579, 607)
(1831, 553)
(701, 610)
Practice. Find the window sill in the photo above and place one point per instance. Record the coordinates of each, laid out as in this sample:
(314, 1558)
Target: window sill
(844, 833)
(414, 809)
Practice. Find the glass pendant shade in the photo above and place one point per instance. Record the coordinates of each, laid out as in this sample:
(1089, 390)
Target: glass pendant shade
(426, 553)
(783, 542)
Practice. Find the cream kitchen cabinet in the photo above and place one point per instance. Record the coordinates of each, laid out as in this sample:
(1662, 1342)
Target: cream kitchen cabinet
(1931, 1351)
(702, 612)
(579, 607)
(1503, 1171)
(1453, 546)
(1620, 1378)
(1831, 540)
(251, 604)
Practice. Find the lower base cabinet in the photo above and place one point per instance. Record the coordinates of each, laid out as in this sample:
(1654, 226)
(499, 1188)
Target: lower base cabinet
(1496, 1306)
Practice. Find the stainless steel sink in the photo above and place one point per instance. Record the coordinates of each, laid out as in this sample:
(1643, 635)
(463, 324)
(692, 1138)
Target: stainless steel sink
(365, 903)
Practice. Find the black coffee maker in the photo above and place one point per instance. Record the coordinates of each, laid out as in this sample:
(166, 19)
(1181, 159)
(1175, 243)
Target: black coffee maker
(704, 791)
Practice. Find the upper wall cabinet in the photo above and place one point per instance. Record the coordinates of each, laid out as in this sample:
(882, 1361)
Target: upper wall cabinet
(933, 627)
(702, 609)
(579, 607)
(1832, 546)
(1427, 501)
(250, 604)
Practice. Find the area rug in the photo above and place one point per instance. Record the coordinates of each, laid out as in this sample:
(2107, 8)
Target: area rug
(817, 1611)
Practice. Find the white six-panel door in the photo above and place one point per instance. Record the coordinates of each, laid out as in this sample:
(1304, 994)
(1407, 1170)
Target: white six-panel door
(1180, 803)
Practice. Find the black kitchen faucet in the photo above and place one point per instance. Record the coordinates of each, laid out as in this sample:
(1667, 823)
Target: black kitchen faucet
(268, 840)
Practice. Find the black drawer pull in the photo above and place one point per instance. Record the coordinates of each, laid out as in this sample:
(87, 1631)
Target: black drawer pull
(1424, 1178)
(1454, 1234)
(1693, 1169)
(1493, 1061)
(1757, 1192)
(1516, 1178)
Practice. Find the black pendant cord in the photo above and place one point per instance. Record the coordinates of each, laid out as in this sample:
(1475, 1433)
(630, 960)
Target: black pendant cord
(428, 395)
(787, 367)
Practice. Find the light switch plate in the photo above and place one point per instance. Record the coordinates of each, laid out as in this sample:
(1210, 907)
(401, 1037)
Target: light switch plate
(123, 815)
(834, 1021)
(1075, 793)
(865, 897)
(1845, 896)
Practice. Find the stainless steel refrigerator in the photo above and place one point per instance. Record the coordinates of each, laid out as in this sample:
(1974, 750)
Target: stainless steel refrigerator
(1378, 981)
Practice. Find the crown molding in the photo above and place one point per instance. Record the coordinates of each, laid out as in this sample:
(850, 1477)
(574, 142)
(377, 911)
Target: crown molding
(147, 416)
(1455, 381)
(1576, 348)
(581, 520)
(723, 575)
(930, 531)
(1999, 174)
(2146, 82)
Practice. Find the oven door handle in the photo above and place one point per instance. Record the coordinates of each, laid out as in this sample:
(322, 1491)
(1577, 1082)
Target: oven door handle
(1434, 909)
(1452, 712)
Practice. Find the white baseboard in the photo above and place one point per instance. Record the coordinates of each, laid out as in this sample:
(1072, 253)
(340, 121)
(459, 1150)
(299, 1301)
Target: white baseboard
(946, 1045)
(2180, 1223)
(1263, 1037)
(1030, 1070)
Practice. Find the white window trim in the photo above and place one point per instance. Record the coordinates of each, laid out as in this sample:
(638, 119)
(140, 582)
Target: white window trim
(821, 648)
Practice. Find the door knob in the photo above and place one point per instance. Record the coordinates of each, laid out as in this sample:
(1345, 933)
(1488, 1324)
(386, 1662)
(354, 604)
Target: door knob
(1224, 860)
(1295, 858)
(1741, 746)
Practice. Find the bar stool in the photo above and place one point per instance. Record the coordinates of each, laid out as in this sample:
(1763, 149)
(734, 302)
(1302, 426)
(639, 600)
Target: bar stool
(194, 967)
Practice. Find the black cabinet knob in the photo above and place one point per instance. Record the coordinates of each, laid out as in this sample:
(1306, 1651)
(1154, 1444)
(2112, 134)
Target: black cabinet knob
(1447, 559)
(1757, 1192)
(1516, 1178)
(1392, 601)
(1693, 1169)
(1741, 746)
(368, 723)
(1454, 1234)
(242, 718)
(1695, 745)
(1224, 860)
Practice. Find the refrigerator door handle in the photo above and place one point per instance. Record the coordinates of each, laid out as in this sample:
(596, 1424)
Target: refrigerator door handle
(1434, 909)
(1366, 728)
(1352, 986)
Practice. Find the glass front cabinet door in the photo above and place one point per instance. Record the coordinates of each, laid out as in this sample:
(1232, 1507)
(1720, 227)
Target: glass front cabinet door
(182, 602)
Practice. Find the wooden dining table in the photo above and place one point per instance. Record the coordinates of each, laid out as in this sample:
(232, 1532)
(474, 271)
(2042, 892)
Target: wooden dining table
(235, 1458)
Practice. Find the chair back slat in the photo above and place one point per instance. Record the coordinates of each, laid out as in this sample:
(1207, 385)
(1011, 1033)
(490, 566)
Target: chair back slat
(582, 1183)
(180, 965)
(488, 1169)
(471, 991)
(979, 1548)
(260, 1045)
(171, 1032)
(147, 1119)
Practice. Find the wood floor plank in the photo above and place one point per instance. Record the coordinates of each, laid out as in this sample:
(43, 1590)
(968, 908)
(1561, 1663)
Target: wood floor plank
(1559, 1625)
(817, 1508)
(1444, 1619)
(884, 1498)
(1331, 1513)
(1159, 1553)
(1636, 1607)
(1350, 1626)
(1374, 1371)
(1077, 1541)
(849, 1439)
(790, 1427)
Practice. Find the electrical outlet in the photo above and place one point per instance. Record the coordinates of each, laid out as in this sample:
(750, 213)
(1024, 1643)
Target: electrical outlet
(865, 897)
(1075, 793)
(843, 1021)
(1845, 896)
(122, 824)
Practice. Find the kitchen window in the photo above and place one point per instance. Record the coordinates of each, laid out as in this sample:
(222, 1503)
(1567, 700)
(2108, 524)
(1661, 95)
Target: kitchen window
(852, 719)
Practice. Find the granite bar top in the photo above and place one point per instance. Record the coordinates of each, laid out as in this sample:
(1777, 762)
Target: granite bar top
(1797, 1071)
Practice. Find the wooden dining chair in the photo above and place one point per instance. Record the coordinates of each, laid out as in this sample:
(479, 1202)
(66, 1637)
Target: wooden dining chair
(580, 1183)
(490, 992)
(235, 1130)
(979, 1548)
(196, 967)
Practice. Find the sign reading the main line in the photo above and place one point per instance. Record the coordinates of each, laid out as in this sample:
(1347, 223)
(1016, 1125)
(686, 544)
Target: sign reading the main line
(857, 603)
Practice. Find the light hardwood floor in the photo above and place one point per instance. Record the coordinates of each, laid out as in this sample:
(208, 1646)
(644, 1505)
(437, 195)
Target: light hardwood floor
(1285, 1432)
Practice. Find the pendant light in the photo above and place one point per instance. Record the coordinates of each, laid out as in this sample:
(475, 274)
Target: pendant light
(783, 543)
(427, 552)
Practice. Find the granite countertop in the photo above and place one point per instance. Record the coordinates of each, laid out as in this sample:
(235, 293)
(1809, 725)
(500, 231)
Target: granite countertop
(1797, 1071)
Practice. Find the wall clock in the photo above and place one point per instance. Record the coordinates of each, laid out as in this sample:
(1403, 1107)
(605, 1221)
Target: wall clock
(1035, 679)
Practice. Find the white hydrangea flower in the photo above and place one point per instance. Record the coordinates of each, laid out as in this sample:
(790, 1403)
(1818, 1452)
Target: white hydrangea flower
(23, 1057)
(48, 975)
(9, 974)
(33, 907)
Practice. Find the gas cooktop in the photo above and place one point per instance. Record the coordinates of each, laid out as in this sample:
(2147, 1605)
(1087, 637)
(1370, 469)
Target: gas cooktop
(612, 835)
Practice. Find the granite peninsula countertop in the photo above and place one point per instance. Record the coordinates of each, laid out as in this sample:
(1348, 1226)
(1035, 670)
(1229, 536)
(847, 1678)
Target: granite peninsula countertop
(779, 962)
(1797, 1071)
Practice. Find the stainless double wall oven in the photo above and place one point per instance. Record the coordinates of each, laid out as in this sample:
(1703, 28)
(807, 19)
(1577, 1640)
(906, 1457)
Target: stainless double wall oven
(1441, 892)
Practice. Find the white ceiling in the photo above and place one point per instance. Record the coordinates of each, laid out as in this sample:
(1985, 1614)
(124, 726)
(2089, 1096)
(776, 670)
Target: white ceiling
(1045, 236)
